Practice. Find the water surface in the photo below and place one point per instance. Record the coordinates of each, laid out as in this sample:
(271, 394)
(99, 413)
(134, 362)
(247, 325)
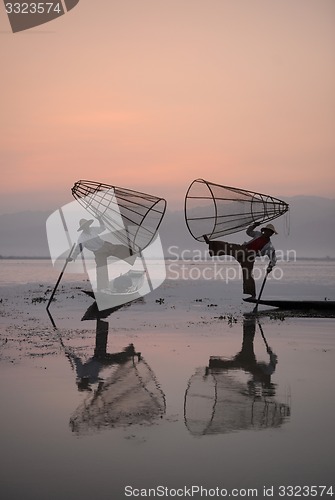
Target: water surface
(180, 393)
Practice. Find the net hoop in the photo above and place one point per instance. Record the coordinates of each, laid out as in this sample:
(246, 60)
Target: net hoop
(132, 395)
(122, 211)
(217, 402)
(226, 209)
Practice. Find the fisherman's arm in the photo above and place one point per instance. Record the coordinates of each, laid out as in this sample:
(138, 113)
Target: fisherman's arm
(102, 226)
(271, 253)
(251, 230)
(77, 250)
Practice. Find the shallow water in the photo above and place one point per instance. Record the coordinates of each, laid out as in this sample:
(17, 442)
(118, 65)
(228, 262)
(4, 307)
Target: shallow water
(214, 399)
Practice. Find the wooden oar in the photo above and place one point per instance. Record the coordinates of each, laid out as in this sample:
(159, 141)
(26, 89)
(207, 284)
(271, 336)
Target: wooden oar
(60, 276)
(261, 291)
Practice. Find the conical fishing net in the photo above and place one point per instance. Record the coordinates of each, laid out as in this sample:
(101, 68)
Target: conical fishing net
(133, 217)
(131, 395)
(220, 402)
(214, 210)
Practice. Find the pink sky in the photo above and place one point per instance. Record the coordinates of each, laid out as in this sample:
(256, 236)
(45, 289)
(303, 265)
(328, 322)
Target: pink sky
(152, 94)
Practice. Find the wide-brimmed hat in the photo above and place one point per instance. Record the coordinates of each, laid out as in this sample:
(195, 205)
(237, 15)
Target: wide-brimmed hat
(84, 224)
(271, 227)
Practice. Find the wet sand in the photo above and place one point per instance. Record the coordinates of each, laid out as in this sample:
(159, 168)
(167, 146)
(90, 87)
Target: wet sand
(178, 389)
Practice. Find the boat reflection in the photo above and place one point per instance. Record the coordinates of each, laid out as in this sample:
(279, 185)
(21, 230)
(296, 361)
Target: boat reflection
(121, 387)
(235, 394)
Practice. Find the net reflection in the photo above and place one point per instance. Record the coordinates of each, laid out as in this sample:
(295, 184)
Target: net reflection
(236, 394)
(121, 387)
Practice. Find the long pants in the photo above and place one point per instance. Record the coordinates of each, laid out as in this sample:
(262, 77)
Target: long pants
(245, 257)
(108, 250)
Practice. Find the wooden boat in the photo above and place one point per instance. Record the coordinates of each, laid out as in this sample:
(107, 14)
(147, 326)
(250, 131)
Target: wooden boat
(301, 305)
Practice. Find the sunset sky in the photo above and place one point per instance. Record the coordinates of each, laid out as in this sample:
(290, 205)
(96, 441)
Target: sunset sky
(151, 94)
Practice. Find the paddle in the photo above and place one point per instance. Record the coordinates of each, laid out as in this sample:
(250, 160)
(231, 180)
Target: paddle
(268, 270)
(60, 276)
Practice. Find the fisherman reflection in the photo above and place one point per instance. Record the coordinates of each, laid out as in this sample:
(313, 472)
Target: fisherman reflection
(121, 387)
(88, 372)
(102, 249)
(246, 360)
(221, 400)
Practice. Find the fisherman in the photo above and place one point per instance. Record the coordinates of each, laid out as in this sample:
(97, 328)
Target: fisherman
(102, 249)
(245, 254)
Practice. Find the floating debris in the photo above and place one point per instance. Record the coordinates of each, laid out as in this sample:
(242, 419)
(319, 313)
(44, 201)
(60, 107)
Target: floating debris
(36, 300)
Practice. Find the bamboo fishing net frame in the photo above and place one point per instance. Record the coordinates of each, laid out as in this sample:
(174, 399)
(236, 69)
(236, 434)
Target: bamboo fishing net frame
(134, 217)
(229, 407)
(248, 207)
(131, 395)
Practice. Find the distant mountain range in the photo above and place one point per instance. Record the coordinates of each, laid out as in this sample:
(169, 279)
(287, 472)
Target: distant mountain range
(311, 233)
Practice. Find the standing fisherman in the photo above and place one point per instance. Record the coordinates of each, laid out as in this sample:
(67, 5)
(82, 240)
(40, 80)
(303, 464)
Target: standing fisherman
(102, 249)
(245, 254)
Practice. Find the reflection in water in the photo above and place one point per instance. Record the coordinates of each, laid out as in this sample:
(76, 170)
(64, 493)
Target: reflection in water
(235, 394)
(122, 389)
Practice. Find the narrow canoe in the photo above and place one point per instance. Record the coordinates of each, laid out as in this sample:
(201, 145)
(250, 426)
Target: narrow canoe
(302, 305)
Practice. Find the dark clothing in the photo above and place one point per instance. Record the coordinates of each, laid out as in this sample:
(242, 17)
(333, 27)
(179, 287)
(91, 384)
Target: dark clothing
(245, 257)
(257, 244)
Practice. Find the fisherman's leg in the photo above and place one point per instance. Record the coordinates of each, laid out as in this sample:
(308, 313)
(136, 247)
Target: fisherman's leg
(249, 286)
(217, 248)
(102, 271)
(122, 252)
